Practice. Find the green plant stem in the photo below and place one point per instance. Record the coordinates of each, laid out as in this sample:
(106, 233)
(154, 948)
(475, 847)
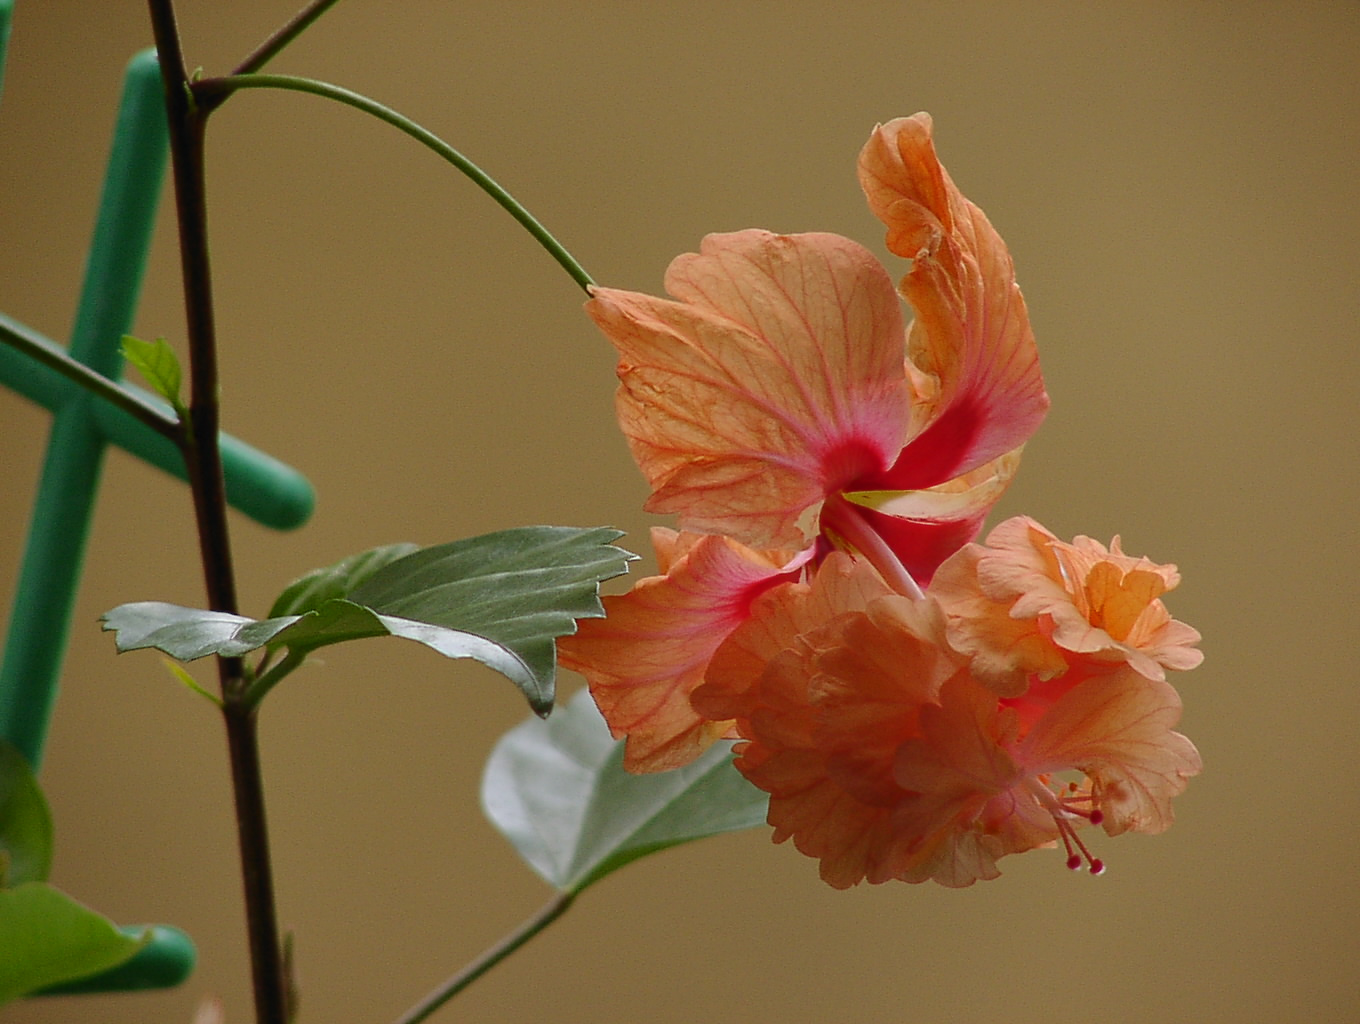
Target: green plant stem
(40, 350)
(272, 677)
(546, 915)
(186, 121)
(210, 91)
(267, 50)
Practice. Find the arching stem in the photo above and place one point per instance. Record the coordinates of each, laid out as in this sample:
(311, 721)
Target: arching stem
(211, 91)
(843, 520)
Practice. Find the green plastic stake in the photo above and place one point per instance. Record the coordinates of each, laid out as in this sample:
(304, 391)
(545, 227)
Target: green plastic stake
(258, 484)
(40, 619)
(165, 961)
(82, 426)
(6, 10)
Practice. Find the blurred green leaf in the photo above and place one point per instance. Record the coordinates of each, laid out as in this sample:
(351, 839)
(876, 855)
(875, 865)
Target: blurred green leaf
(501, 599)
(25, 823)
(310, 591)
(558, 791)
(48, 938)
(157, 362)
(182, 674)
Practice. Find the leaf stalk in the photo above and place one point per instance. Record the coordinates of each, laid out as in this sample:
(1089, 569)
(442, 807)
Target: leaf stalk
(271, 678)
(545, 916)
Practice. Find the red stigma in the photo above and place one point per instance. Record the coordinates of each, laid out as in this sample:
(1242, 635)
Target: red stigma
(1065, 809)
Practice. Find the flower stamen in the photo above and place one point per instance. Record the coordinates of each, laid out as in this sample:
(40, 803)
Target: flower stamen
(849, 530)
(1063, 809)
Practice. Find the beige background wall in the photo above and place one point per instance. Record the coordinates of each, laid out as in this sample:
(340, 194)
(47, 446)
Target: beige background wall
(1177, 182)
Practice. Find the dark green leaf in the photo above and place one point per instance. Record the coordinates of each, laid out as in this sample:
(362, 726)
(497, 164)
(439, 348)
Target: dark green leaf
(501, 599)
(558, 791)
(520, 589)
(309, 592)
(157, 362)
(48, 938)
(25, 823)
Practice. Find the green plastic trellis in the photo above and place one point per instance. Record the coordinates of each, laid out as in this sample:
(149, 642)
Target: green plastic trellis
(83, 425)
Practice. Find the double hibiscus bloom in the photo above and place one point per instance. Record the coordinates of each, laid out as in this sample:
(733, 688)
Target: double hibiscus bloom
(917, 705)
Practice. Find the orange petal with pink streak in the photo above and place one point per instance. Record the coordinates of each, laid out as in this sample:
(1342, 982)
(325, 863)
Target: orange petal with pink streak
(780, 619)
(775, 376)
(972, 330)
(925, 527)
(643, 660)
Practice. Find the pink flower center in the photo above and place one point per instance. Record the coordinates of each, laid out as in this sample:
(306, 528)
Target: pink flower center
(849, 460)
(846, 527)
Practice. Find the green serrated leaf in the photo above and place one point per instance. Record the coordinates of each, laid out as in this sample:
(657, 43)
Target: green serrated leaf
(501, 599)
(48, 938)
(309, 592)
(187, 634)
(157, 362)
(25, 822)
(558, 791)
(520, 589)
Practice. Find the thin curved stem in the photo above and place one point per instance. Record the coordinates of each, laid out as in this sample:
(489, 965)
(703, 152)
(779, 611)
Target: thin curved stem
(546, 915)
(209, 91)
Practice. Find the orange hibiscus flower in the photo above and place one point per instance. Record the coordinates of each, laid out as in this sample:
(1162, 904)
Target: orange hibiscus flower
(916, 705)
(778, 400)
(886, 758)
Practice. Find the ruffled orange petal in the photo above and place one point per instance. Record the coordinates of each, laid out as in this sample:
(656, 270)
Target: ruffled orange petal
(1005, 651)
(643, 660)
(968, 805)
(765, 676)
(1118, 729)
(775, 377)
(1120, 598)
(1027, 600)
(871, 684)
(972, 330)
(780, 619)
(853, 839)
(825, 681)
